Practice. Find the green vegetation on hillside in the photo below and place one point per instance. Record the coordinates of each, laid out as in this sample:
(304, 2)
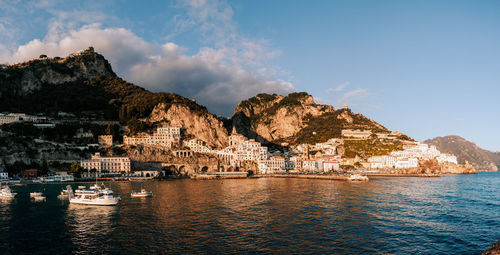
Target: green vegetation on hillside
(370, 147)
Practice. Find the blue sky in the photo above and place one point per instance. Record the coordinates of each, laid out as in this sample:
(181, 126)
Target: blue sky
(427, 68)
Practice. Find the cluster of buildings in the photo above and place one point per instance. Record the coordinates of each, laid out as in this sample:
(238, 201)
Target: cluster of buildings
(317, 158)
(6, 118)
(409, 157)
(163, 136)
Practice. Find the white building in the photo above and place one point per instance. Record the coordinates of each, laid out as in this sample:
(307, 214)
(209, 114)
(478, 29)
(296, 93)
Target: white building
(311, 165)
(272, 165)
(444, 157)
(163, 136)
(331, 165)
(356, 133)
(406, 163)
(111, 164)
(384, 161)
(4, 175)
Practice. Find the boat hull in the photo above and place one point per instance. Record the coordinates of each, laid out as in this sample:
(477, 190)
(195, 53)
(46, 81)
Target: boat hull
(103, 202)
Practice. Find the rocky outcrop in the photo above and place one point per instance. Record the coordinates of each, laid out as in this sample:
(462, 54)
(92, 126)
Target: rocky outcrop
(294, 118)
(493, 250)
(433, 167)
(28, 77)
(201, 124)
(479, 158)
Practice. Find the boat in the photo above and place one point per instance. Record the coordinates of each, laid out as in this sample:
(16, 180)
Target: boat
(64, 194)
(95, 195)
(39, 198)
(5, 192)
(357, 177)
(142, 193)
(35, 194)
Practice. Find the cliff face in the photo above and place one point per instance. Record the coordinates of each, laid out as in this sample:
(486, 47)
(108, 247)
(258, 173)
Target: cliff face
(202, 125)
(467, 151)
(28, 77)
(295, 118)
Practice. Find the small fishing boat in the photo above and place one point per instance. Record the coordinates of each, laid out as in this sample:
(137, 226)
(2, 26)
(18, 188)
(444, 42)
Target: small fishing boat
(5, 192)
(357, 177)
(35, 194)
(64, 194)
(142, 193)
(39, 198)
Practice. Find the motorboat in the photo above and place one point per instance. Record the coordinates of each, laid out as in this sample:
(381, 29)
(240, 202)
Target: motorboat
(95, 195)
(64, 194)
(35, 194)
(357, 177)
(39, 198)
(142, 193)
(5, 192)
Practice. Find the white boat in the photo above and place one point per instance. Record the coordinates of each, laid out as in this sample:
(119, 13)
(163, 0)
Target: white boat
(39, 198)
(5, 192)
(64, 194)
(95, 195)
(35, 194)
(357, 177)
(142, 193)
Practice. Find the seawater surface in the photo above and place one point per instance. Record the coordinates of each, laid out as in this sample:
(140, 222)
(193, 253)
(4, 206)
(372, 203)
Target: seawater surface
(455, 214)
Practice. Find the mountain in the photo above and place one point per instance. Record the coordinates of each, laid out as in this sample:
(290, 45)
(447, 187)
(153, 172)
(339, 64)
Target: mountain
(295, 119)
(85, 84)
(467, 151)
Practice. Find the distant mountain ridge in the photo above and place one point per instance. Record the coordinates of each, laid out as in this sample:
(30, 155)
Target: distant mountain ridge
(465, 150)
(85, 82)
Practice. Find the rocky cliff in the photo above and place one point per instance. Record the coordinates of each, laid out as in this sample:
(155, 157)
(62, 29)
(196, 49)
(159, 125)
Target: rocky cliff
(28, 77)
(295, 118)
(467, 151)
(202, 125)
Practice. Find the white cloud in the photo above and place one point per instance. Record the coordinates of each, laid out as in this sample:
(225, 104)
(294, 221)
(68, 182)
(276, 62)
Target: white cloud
(338, 88)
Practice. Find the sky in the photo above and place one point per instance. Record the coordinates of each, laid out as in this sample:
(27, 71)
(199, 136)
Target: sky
(426, 68)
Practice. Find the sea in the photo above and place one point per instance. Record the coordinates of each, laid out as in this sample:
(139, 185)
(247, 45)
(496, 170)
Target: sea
(453, 214)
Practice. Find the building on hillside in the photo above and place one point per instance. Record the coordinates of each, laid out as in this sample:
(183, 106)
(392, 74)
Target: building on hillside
(406, 163)
(166, 136)
(8, 118)
(331, 165)
(163, 136)
(4, 175)
(29, 173)
(105, 140)
(112, 164)
(384, 161)
(198, 145)
(294, 163)
(141, 138)
(272, 165)
(312, 166)
(236, 139)
(356, 133)
(444, 157)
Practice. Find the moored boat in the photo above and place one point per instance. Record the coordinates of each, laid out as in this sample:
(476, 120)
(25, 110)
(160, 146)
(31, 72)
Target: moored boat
(35, 194)
(5, 192)
(142, 193)
(95, 195)
(357, 177)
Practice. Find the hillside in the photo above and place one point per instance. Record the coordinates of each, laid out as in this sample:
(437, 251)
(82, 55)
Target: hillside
(295, 119)
(467, 151)
(84, 84)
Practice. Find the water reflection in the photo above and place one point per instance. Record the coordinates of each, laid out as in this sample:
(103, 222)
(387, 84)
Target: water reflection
(89, 226)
